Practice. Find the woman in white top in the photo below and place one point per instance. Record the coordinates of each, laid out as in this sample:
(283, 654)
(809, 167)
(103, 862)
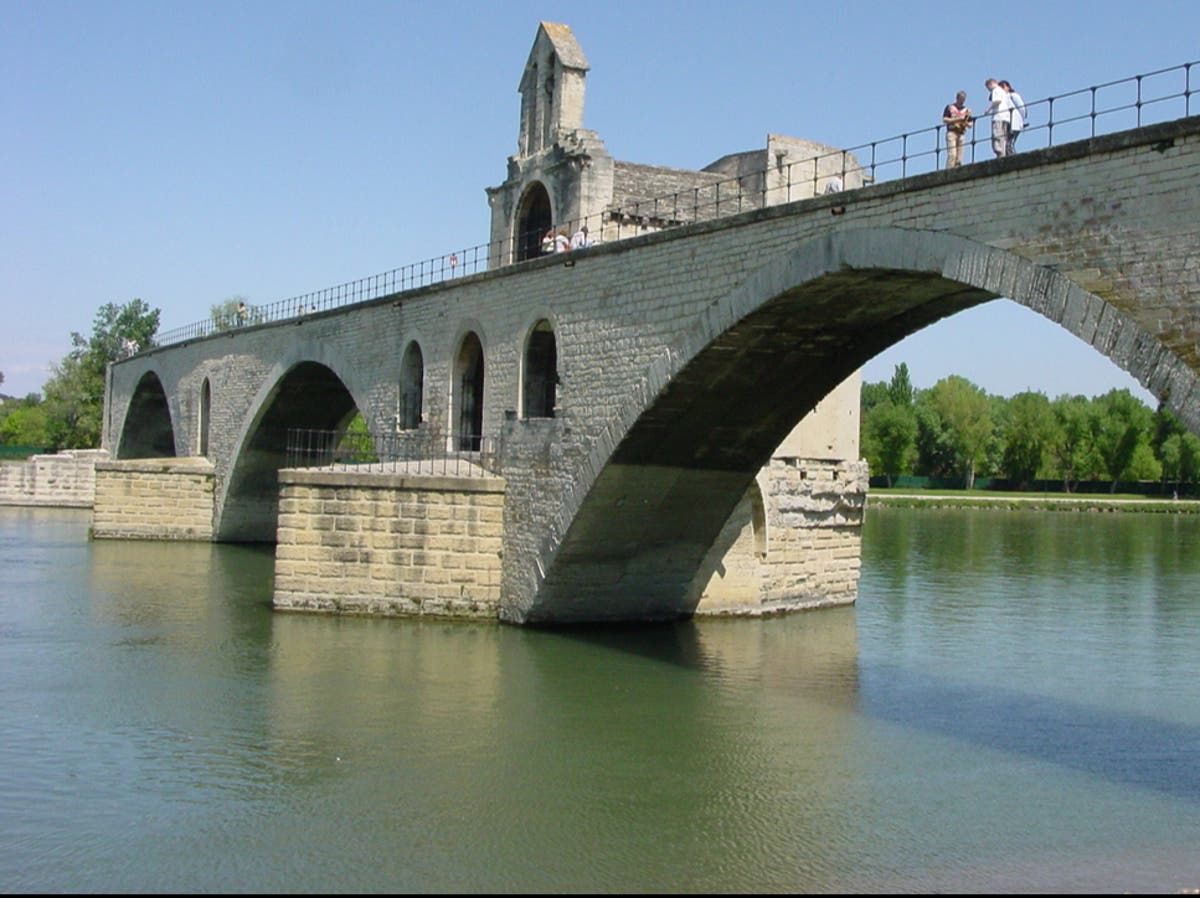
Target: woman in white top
(1018, 117)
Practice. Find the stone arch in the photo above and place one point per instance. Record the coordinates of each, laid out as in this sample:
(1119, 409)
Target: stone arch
(466, 393)
(534, 216)
(307, 395)
(204, 417)
(862, 290)
(147, 431)
(412, 387)
(539, 371)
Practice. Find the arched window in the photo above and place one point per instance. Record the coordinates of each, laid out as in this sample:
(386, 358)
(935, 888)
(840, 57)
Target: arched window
(534, 219)
(467, 413)
(540, 375)
(412, 387)
(205, 411)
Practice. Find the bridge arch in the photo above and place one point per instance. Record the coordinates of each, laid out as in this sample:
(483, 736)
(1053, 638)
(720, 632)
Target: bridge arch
(147, 431)
(303, 395)
(709, 412)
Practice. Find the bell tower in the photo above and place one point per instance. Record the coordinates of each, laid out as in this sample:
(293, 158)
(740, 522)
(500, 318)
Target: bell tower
(552, 89)
(561, 175)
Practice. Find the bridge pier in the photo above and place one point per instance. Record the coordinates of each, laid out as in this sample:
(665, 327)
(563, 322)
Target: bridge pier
(389, 543)
(154, 498)
(798, 547)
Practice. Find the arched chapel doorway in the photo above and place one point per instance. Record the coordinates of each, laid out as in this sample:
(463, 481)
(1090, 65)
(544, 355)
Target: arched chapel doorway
(534, 219)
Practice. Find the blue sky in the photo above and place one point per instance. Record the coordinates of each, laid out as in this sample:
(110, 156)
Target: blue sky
(186, 152)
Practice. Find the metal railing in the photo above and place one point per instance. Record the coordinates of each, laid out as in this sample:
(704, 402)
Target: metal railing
(1132, 102)
(414, 452)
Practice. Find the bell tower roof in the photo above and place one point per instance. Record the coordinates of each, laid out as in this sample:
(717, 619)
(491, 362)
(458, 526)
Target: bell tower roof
(552, 88)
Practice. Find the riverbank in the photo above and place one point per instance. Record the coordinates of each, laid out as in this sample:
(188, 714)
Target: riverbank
(1031, 501)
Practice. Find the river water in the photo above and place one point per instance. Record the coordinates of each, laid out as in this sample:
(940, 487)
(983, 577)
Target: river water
(1013, 704)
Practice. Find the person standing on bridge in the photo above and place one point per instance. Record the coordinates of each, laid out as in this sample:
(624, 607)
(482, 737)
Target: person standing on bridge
(580, 239)
(1000, 109)
(957, 119)
(1018, 117)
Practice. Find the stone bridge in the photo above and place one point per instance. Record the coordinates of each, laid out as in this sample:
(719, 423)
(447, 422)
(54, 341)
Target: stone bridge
(685, 357)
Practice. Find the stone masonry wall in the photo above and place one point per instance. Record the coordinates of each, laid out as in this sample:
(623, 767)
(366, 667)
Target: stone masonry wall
(814, 525)
(361, 542)
(167, 498)
(65, 480)
(807, 556)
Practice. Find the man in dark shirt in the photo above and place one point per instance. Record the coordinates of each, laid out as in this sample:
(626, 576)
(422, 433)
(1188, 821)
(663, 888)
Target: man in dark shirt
(957, 119)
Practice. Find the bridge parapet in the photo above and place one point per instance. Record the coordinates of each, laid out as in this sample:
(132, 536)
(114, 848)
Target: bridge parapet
(790, 171)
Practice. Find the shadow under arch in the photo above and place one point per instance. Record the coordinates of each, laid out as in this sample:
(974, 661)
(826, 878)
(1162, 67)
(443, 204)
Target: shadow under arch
(675, 460)
(309, 395)
(147, 431)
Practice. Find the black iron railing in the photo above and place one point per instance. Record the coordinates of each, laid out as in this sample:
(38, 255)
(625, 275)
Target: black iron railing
(416, 452)
(1132, 102)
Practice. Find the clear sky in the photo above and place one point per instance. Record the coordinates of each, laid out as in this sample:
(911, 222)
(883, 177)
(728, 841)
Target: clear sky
(185, 152)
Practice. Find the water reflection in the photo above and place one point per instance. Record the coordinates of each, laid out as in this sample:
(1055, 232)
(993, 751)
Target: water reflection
(988, 717)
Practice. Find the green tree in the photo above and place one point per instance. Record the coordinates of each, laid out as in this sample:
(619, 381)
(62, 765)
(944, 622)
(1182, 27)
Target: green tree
(892, 437)
(1071, 450)
(900, 388)
(26, 425)
(75, 392)
(1180, 455)
(1189, 458)
(967, 413)
(1144, 465)
(935, 452)
(872, 394)
(1121, 424)
(1028, 432)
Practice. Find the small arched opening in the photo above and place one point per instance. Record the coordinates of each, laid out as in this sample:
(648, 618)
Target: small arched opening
(534, 218)
(540, 372)
(147, 432)
(467, 391)
(203, 422)
(412, 387)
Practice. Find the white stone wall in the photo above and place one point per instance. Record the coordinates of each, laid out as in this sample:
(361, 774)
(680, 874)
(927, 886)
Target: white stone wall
(66, 480)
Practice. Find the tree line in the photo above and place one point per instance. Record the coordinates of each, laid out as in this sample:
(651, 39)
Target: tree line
(955, 429)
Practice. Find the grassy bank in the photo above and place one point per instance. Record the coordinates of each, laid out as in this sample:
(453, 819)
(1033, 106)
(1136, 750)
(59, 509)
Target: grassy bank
(905, 498)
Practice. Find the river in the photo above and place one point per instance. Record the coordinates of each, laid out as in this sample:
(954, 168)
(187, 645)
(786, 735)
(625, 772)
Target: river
(1012, 705)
